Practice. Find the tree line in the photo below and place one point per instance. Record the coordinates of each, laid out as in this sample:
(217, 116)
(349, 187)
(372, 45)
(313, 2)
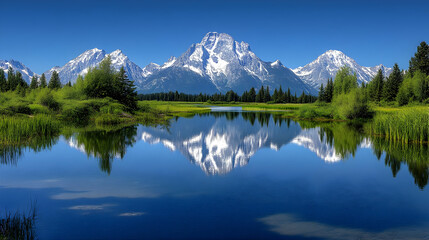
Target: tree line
(401, 87)
(263, 95)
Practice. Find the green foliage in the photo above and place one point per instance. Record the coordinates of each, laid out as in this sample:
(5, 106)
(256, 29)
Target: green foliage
(392, 84)
(18, 129)
(353, 105)
(43, 83)
(103, 81)
(125, 90)
(420, 61)
(78, 113)
(33, 84)
(47, 99)
(344, 81)
(413, 88)
(3, 82)
(375, 87)
(54, 82)
(407, 125)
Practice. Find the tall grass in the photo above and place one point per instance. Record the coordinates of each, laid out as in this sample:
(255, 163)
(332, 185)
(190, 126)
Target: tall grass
(23, 129)
(407, 125)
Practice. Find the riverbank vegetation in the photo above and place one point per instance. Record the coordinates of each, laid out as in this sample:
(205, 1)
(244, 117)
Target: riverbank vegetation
(396, 105)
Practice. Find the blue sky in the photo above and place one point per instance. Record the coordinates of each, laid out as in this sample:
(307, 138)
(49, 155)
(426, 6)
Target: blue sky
(42, 34)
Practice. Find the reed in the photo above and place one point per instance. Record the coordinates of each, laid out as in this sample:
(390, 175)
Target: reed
(407, 125)
(23, 129)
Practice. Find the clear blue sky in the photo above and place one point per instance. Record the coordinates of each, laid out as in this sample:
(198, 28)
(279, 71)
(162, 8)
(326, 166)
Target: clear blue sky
(42, 34)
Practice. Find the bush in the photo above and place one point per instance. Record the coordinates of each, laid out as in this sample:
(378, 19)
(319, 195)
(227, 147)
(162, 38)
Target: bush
(49, 101)
(352, 105)
(37, 109)
(78, 113)
(112, 108)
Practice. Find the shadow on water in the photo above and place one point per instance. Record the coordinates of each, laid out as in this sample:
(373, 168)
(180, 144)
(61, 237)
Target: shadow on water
(246, 132)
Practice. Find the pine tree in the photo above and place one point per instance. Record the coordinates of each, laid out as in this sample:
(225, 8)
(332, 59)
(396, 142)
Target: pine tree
(289, 96)
(260, 96)
(127, 91)
(267, 96)
(281, 95)
(43, 83)
(275, 95)
(420, 61)
(376, 87)
(252, 95)
(33, 84)
(329, 90)
(322, 94)
(11, 83)
(3, 82)
(392, 84)
(20, 81)
(54, 82)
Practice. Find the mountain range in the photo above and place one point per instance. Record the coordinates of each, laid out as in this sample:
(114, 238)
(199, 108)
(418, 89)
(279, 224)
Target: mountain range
(217, 63)
(327, 65)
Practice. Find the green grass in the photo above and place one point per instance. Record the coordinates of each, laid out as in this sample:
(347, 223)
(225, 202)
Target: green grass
(405, 125)
(23, 129)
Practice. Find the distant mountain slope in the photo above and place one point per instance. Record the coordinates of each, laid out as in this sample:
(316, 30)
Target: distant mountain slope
(27, 74)
(327, 65)
(225, 64)
(91, 58)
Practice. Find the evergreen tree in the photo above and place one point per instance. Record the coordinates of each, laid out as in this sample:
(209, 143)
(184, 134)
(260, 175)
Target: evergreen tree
(275, 95)
(43, 83)
(267, 95)
(289, 96)
(54, 82)
(33, 84)
(127, 90)
(392, 84)
(20, 80)
(3, 82)
(322, 94)
(420, 61)
(260, 96)
(11, 83)
(281, 95)
(376, 87)
(329, 90)
(252, 95)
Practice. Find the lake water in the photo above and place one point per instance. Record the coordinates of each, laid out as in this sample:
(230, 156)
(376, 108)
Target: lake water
(223, 175)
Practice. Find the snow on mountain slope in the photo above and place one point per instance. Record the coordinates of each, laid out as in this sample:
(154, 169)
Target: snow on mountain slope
(224, 63)
(27, 74)
(91, 58)
(327, 65)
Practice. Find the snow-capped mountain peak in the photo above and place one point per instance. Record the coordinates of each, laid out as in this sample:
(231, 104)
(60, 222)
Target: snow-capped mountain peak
(221, 64)
(91, 58)
(150, 69)
(27, 74)
(327, 65)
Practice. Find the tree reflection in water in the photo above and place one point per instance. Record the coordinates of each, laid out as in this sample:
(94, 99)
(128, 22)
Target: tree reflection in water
(344, 138)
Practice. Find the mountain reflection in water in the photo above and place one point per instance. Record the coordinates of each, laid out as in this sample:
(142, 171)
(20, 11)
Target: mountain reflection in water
(218, 142)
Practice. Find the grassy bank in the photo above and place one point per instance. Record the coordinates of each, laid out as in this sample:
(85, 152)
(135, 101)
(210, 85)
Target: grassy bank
(407, 124)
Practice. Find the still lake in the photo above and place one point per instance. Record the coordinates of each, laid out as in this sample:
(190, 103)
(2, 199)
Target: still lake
(228, 174)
